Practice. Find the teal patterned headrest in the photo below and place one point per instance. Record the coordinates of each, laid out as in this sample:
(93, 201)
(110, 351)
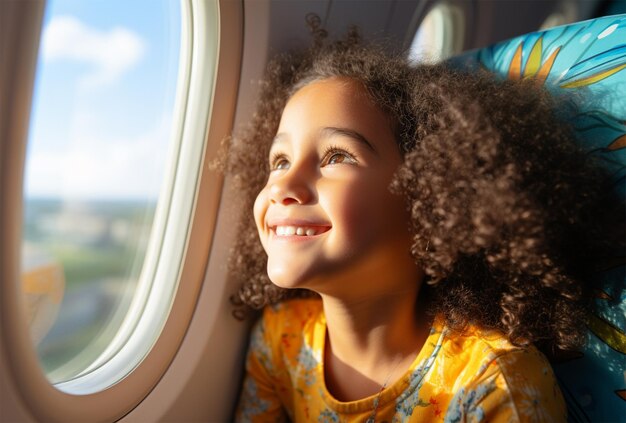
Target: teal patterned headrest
(589, 55)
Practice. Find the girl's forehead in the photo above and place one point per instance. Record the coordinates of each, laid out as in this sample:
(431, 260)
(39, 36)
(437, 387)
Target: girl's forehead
(323, 106)
(340, 99)
(336, 84)
(331, 101)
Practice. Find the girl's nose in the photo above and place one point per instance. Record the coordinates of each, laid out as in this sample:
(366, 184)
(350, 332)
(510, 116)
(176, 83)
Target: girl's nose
(291, 188)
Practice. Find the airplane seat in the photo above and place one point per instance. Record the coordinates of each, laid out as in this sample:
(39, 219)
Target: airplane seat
(591, 56)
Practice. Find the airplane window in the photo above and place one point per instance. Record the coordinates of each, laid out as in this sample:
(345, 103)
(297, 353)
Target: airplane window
(96, 176)
(439, 35)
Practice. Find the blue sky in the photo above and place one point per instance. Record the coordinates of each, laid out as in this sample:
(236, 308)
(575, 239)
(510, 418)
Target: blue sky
(104, 97)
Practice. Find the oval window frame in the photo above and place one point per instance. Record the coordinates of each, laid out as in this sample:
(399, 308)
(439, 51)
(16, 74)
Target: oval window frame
(43, 400)
(447, 16)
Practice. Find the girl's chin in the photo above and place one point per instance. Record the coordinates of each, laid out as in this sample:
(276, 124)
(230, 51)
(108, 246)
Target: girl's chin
(288, 280)
(285, 283)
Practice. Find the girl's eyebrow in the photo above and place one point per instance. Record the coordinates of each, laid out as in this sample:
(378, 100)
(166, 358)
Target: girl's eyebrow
(330, 131)
(280, 137)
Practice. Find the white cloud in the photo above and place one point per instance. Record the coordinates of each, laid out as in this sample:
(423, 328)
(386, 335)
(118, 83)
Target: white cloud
(111, 52)
(93, 166)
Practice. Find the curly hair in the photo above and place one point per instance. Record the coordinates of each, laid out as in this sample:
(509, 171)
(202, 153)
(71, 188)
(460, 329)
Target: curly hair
(509, 217)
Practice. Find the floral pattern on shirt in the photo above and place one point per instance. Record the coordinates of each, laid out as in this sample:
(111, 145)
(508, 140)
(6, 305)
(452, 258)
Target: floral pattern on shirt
(256, 406)
(454, 378)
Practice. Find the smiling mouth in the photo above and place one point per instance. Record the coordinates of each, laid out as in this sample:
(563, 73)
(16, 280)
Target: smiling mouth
(302, 231)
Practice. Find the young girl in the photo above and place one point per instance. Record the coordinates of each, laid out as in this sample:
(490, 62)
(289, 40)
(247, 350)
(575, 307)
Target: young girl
(417, 234)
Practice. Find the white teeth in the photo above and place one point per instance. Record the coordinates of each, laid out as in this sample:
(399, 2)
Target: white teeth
(294, 230)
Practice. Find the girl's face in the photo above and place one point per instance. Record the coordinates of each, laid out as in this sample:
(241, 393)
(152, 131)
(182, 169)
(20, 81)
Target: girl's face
(326, 214)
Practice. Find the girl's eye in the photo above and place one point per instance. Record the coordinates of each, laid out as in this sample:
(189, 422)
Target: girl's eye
(279, 163)
(337, 156)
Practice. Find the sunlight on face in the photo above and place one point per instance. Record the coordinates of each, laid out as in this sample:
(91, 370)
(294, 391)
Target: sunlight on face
(326, 216)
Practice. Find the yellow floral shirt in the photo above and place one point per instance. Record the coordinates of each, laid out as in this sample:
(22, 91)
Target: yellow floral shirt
(454, 378)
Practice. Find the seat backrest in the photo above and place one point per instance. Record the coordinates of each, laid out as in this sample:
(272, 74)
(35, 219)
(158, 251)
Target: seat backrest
(589, 55)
